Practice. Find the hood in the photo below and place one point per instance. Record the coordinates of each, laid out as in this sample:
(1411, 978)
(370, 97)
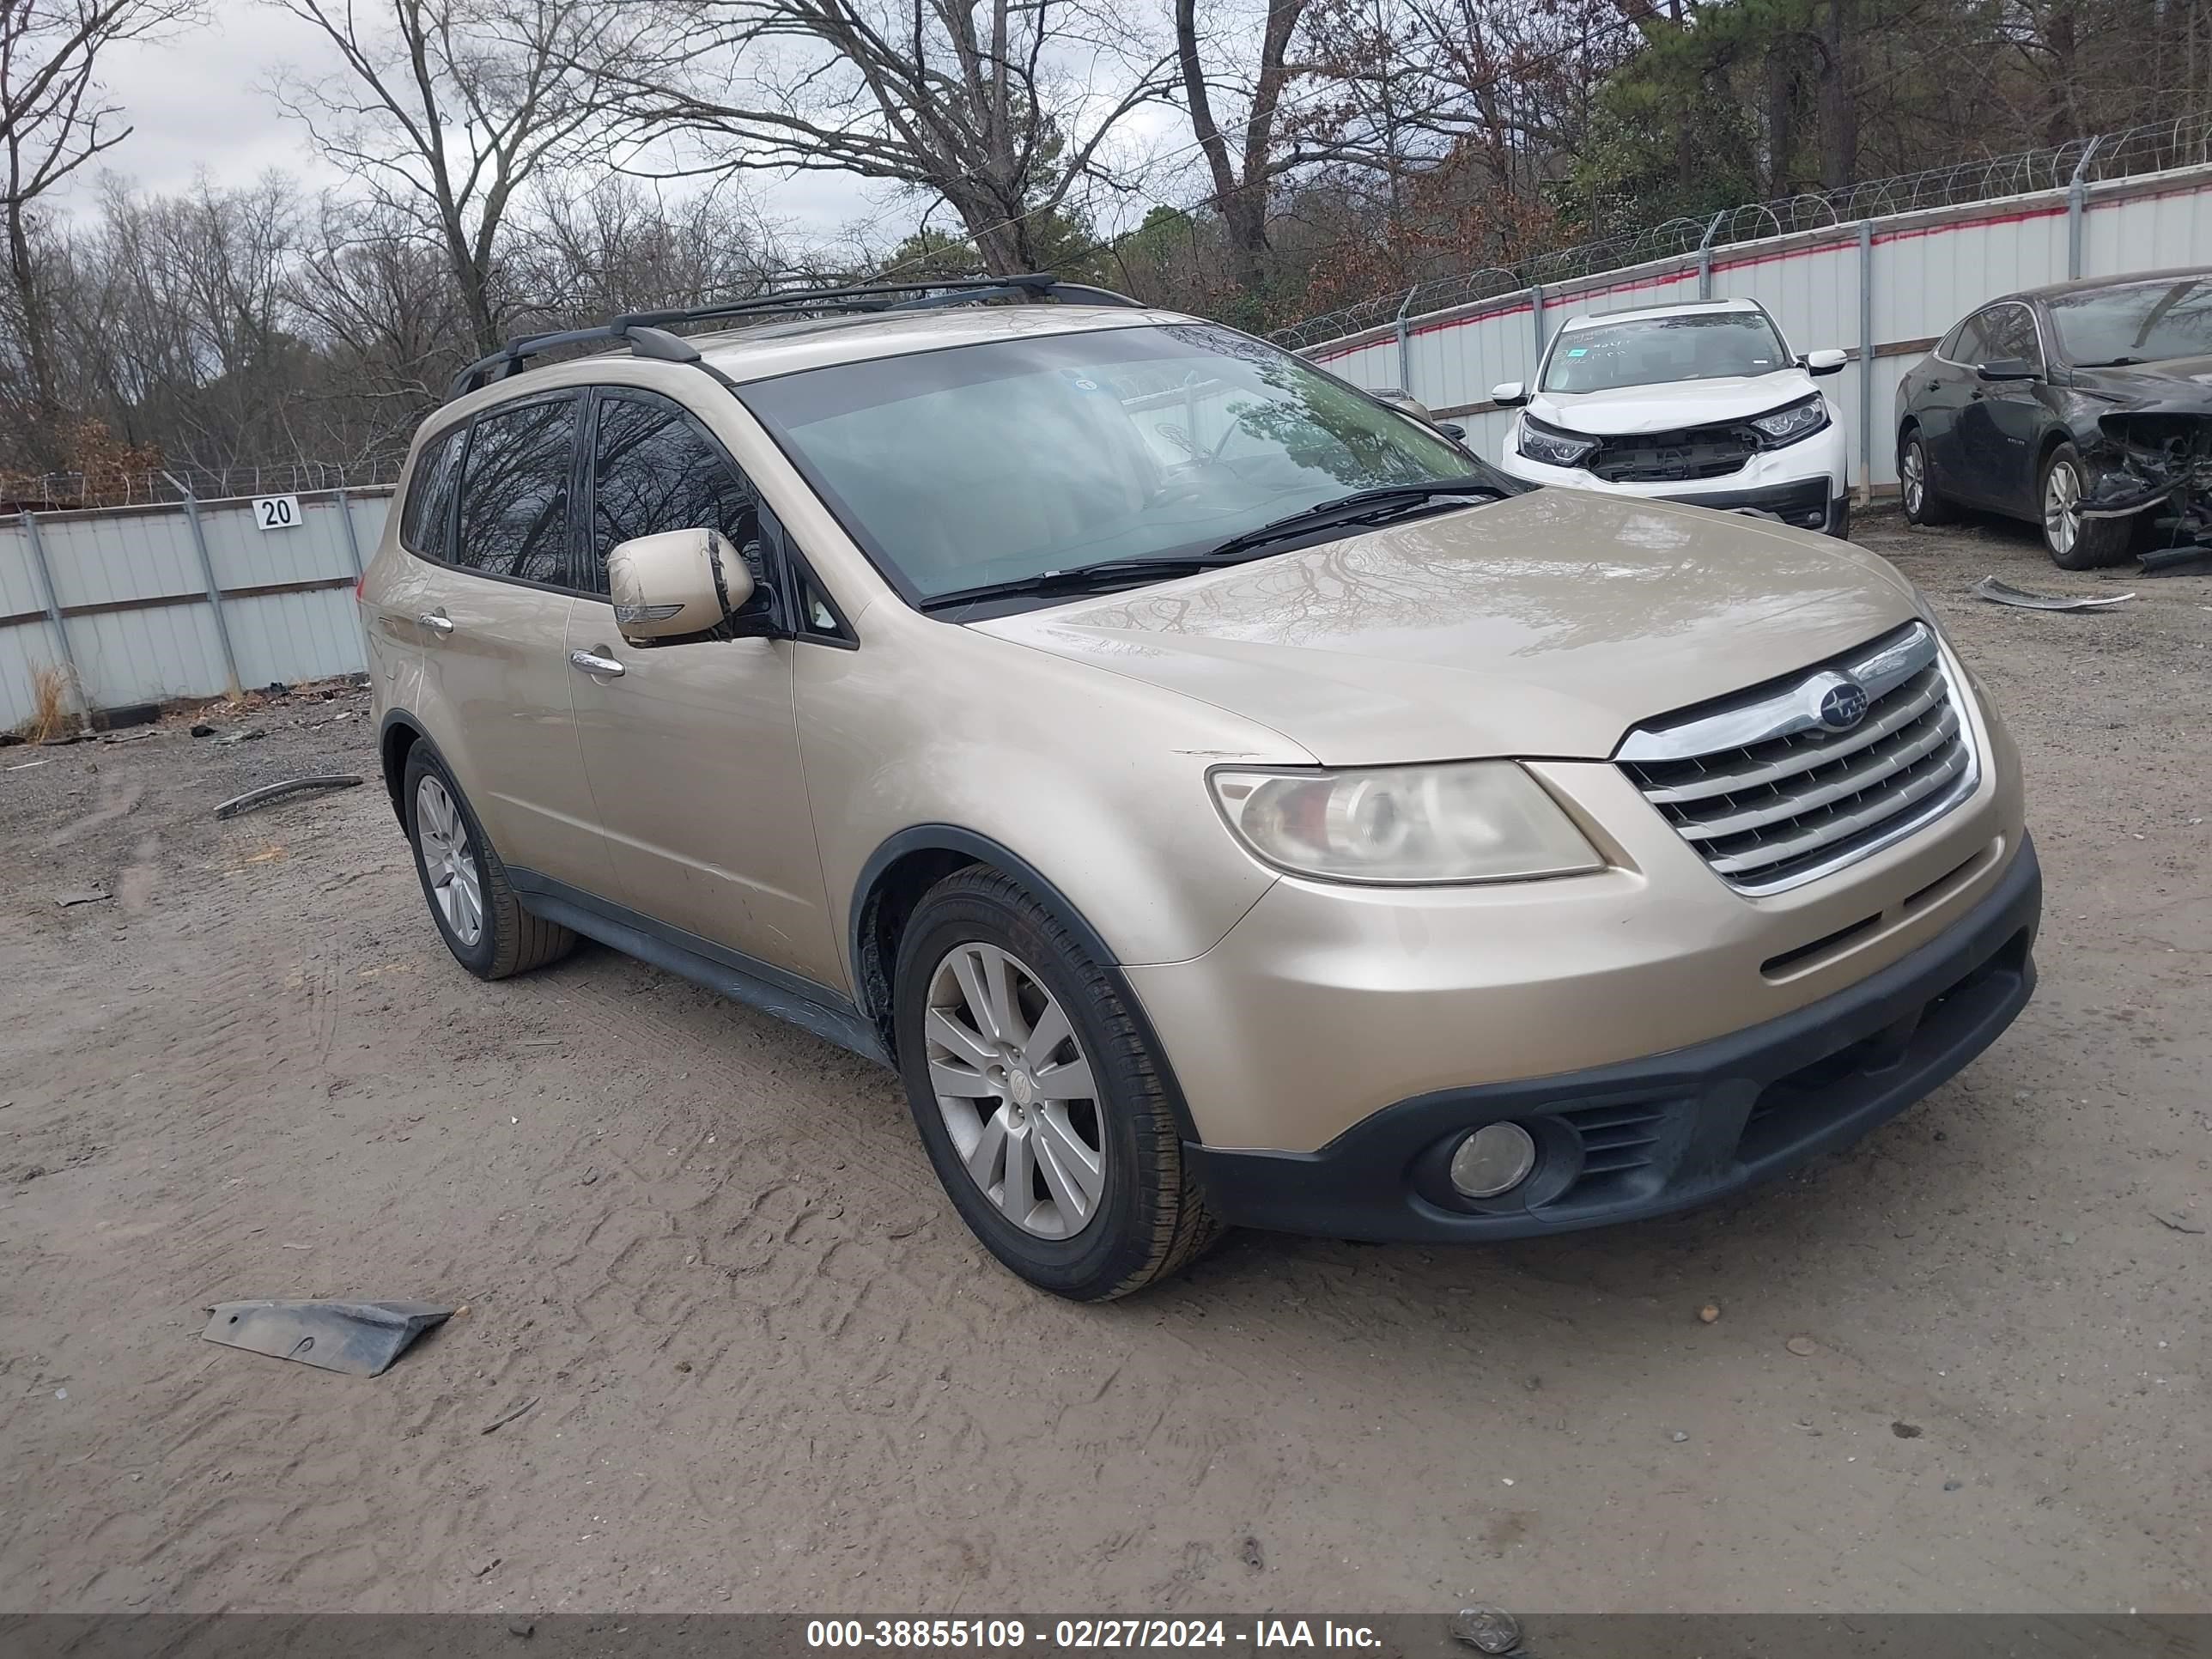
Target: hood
(1546, 624)
(1671, 405)
(2186, 380)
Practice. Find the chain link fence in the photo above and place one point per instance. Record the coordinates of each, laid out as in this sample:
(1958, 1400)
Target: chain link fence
(2152, 148)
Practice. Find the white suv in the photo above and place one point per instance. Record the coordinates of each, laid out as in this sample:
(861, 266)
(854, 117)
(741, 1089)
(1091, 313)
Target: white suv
(1704, 404)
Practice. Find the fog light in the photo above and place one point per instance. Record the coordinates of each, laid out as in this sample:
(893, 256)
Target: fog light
(1495, 1159)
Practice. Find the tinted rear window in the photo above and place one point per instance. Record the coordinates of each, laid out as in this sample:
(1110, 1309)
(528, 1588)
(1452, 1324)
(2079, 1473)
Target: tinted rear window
(514, 492)
(427, 526)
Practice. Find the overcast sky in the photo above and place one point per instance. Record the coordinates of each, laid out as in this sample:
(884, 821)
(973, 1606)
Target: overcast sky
(199, 102)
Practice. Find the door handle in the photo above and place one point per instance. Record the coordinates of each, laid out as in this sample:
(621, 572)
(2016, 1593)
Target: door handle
(590, 663)
(435, 623)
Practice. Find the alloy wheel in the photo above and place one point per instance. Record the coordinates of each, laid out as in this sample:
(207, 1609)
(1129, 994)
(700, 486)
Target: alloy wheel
(450, 862)
(1015, 1090)
(1915, 470)
(2062, 507)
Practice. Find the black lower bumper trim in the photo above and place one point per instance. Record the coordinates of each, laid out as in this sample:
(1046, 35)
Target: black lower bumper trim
(1650, 1136)
(1805, 504)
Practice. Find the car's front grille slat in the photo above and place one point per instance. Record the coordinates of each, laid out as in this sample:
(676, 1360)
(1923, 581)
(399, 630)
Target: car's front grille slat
(1862, 774)
(1771, 796)
(1925, 692)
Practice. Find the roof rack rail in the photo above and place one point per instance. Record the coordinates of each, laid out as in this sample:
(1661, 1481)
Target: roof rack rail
(645, 332)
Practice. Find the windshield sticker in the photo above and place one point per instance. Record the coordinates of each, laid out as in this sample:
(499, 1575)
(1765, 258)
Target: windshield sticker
(1578, 351)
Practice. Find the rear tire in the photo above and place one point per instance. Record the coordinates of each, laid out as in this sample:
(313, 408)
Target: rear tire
(1923, 506)
(2073, 542)
(1079, 1187)
(466, 886)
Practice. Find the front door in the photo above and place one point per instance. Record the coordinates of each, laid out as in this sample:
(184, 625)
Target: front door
(1947, 382)
(692, 750)
(2001, 423)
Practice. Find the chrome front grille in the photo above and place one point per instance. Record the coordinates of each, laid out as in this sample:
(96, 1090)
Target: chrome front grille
(1780, 787)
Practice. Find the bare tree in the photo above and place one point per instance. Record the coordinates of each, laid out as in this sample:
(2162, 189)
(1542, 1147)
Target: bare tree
(448, 109)
(1242, 180)
(992, 104)
(53, 120)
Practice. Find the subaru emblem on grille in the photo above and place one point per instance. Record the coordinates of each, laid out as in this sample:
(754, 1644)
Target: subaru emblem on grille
(1843, 701)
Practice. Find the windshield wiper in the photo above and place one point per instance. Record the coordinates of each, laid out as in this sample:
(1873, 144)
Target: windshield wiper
(1081, 578)
(2115, 362)
(1361, 504)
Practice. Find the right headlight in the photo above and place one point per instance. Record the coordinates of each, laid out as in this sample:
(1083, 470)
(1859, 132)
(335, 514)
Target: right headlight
(1465, 822)
(1554, 446)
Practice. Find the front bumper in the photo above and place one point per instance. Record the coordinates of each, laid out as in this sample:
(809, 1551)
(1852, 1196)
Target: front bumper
(1804, 484)
(1650, 1137)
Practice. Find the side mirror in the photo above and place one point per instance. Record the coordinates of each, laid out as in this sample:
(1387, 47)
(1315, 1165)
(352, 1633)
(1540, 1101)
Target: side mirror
(2007, 369)
(1404, 403)
(1509, 394)
(1453, 430)
(1826, 361)
(678, 583)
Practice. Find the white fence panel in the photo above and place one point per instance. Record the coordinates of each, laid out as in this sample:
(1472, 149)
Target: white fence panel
(296, 636)
(2164, 228)
(1926, 270)
(112, 558)
(133, 594)
(247, 556)
(148, 655)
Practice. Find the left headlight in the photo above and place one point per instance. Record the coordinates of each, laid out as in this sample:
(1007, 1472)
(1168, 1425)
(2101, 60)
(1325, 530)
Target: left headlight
(1466, 822)
(1801, 419)
(1554, 446)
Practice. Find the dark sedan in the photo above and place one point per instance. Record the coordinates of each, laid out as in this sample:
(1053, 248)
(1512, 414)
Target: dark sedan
(2084, 407)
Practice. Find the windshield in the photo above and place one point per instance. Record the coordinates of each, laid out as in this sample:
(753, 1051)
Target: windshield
(987, 463)
(2148, 323)
(1703, 345)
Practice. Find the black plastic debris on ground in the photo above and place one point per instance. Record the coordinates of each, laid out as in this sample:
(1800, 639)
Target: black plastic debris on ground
(358, 1338)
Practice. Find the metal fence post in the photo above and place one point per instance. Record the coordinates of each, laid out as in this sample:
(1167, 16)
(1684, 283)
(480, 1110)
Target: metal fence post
(1705, 257)
(1537, 322)
(207, 571)
(2077, 203)
(52, 604)
(353, 540)
(1866, 361)
(1406, 345)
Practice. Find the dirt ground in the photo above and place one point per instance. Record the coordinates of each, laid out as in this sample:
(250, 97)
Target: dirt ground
(772, 1372)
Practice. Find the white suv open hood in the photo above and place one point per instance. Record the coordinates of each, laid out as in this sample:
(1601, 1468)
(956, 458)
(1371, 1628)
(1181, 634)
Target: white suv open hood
(1670, 405)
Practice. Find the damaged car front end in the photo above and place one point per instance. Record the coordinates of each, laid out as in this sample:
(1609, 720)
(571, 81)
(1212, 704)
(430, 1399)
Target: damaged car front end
(2154, 461)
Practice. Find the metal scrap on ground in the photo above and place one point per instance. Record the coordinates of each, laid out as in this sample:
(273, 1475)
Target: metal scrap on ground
(2179, 561)
(2003, 592)
(358, 1338)
(267, 793)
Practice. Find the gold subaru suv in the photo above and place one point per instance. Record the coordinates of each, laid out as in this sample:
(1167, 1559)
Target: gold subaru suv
(1223, 797)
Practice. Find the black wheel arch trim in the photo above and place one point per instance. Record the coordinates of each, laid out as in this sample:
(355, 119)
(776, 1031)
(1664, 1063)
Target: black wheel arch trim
(950, 838)
(400, 718)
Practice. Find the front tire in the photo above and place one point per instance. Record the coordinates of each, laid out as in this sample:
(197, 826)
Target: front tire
(1036, 1097)
(2073, 542)
(470, 899)
(1923, 506)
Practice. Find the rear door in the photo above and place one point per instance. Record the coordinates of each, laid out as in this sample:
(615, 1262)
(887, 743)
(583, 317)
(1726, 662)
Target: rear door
(491, 604)
(693, 748)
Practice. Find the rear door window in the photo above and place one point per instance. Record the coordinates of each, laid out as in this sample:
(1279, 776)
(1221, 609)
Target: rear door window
(427, 526)
(514, 492)
(655, 467)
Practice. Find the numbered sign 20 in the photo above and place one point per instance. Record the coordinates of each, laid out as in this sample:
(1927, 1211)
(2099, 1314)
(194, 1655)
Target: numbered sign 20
(276, 512)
